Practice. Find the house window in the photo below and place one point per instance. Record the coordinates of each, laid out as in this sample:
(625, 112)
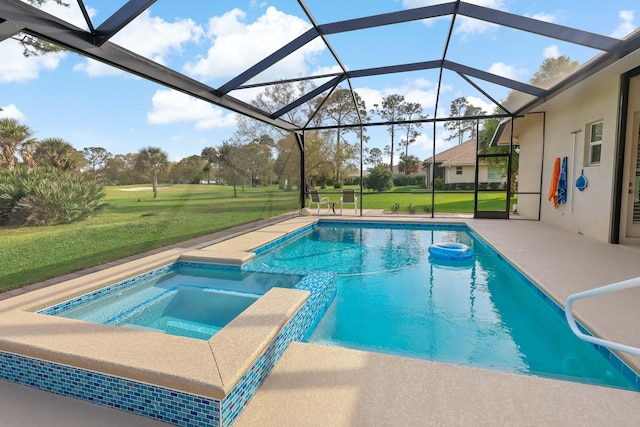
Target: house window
(494, 174)
(458, 170)
(595, 143)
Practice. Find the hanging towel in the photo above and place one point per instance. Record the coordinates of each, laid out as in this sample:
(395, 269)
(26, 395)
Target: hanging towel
(562, 182)
(553, 188)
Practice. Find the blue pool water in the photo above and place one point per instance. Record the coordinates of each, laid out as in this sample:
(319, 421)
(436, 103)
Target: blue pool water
(185, 299)
(393, 298)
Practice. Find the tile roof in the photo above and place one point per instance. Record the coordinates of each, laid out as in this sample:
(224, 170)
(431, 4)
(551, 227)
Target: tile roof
(461, 154)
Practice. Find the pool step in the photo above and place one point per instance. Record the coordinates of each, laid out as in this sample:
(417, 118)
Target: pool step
(194, 329)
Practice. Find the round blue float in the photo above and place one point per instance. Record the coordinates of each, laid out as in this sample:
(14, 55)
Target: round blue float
(451, 251)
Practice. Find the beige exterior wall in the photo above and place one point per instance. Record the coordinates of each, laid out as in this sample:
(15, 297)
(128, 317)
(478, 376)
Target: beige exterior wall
(588, 212)
(468, 175)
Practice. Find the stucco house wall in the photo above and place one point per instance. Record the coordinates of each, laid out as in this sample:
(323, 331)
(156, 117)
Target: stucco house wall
(587, 212)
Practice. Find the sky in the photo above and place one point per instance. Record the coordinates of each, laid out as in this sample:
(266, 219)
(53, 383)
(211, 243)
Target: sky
(89, 104)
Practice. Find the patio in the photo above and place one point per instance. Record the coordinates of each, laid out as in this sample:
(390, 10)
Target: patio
(315, 385)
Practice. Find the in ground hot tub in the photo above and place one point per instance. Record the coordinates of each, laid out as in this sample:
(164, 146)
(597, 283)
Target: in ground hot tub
(188, 299)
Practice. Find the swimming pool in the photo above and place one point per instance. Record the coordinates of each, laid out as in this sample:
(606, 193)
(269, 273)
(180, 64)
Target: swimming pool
(192, 300)
(393, 298)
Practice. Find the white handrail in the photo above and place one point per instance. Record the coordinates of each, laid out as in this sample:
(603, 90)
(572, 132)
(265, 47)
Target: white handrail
(625, 284)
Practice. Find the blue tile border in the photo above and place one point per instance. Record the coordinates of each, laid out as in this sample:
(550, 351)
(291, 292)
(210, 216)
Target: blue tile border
(366, 224)
(59, 308)
(148, 400)
(167, 405)
(322, 287)
(611, 357)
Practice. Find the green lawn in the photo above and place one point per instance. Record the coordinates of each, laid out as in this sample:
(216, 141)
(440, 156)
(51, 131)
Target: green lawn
(413, 195)
(133, 222)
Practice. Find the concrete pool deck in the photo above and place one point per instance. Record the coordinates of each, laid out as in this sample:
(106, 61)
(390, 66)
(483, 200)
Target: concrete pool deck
(315, 385)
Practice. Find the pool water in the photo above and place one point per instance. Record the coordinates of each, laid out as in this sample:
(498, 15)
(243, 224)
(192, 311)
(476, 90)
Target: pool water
(394, 298)
(184, 300)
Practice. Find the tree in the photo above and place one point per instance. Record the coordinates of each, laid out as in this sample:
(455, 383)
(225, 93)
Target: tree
(210, 155)
(460, 108)
(374, 157)
(340, 109)
(154, 160)
(380, 179)
(286, 167)
(188, 170)
(97, 158)
(232, 164)
(457, 127)
(59, 154)
(409, 164)
(16, 140)
(121, 170)
(391, 111)
(258, 161)
(33, 46)
(410, 111)
(552, 70)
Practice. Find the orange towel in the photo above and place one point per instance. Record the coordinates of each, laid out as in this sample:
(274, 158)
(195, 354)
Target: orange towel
(553, 188)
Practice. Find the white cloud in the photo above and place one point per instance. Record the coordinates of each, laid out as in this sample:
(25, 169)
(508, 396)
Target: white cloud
(71, 13)
(626, 25)
(420, 90)
(236, 45)
(12, 112)
(170, 106)
(148, 36)
(14, 67)
(464, 26)
(507, 71)
(551, 52)
(94, 68)
(544, 17)
(493, 4)
(488, 107)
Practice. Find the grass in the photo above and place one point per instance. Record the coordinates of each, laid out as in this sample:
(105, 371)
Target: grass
(460, 202)
(133, 222)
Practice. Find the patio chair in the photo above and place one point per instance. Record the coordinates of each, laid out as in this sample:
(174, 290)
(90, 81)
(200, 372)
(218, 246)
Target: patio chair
(317, 199)
(349, 198)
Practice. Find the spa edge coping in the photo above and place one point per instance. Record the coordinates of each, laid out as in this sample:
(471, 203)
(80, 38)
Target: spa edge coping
(169, 361)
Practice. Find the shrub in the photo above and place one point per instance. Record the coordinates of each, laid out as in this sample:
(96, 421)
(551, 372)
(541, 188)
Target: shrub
(379, 179)
(337, 184)
(395, 208)
(411, 209)
(438, 183)
(404, 180)
(46, 197)
(352, 180)
(427, 209)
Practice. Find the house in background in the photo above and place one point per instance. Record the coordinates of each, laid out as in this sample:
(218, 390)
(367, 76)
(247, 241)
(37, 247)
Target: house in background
(457, 168)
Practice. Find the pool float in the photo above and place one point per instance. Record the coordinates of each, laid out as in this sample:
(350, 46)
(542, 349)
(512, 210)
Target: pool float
(451, 251)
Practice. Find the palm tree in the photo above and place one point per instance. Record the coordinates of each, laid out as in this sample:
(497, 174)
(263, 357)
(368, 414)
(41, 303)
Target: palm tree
(154, 160)
(58, 153)
(16, 140)
(210, 154)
